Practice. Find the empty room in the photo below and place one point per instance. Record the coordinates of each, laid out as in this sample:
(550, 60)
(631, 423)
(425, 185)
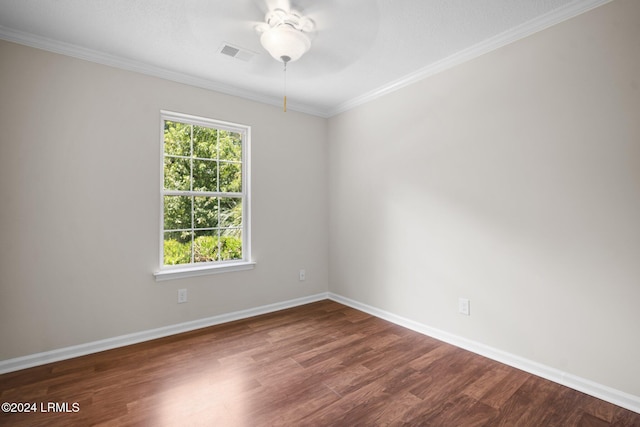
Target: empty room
(272, 212)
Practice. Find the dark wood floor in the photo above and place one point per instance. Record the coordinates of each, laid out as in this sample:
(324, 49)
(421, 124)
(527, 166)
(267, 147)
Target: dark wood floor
(314, 365)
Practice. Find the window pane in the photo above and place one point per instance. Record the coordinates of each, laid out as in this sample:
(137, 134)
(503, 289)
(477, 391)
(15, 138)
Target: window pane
(230, 212)
(199, 162)
(205, 246)
(177, 138)
(177, 248)
(205, 212)
(230, 146)
(204, 175)
(177, 212)
(205, 142)
(230, 177)
(177, 175)
(230, 244)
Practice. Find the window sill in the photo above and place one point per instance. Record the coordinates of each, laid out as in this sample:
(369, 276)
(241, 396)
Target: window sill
(180, 273)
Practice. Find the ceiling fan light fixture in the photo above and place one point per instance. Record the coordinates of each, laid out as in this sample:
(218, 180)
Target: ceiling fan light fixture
(285, 42)
(284, 35)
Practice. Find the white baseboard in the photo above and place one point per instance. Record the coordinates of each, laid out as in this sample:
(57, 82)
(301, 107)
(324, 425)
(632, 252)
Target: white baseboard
(38, 359)
(591, 388)
(617, 397)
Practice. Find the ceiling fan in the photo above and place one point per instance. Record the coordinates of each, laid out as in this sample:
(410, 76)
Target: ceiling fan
(285, 35)
(321, 38)
(338, 31)
(328, 30)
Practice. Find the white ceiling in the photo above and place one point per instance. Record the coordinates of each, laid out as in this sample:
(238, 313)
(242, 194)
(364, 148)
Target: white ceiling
(360, 48)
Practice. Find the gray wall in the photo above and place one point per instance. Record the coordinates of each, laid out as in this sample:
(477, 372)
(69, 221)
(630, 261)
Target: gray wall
(512, 180)
(80, 203)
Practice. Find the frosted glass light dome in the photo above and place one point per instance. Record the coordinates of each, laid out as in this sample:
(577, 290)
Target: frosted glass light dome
(284, 42)
(284, 35)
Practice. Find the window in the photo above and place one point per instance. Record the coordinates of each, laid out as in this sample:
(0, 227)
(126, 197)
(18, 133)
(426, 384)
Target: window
(205, 197)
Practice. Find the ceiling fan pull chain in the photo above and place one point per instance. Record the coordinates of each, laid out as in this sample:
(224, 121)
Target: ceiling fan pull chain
(285, 60)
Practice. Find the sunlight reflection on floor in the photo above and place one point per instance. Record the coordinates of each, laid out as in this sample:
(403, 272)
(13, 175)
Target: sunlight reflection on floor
(210, 398)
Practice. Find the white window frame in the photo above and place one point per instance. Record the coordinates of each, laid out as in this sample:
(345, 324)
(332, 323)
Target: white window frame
(166, 272)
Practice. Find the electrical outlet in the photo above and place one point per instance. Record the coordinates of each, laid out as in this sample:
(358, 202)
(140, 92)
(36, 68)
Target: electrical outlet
(182, 296)
(303, 275)
(463, 306)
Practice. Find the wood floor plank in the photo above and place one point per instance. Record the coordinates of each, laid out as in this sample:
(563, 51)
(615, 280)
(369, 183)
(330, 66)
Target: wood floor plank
(589, 420)
(540, 393)
(502, 391)
(322, 364)
(428, 357)
(492, 375)
(461, 411)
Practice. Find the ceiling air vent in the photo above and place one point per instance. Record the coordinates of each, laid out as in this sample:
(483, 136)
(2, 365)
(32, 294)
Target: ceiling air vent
(236, 52)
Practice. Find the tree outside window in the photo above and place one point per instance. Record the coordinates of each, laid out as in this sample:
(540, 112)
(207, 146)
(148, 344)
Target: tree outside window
(203, 194)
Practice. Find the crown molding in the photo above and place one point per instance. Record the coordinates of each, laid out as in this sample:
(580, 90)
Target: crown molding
(526, 29)
(102, 58)
(554, 17)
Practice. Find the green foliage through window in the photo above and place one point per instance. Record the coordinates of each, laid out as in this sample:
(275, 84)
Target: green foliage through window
(203, 194)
